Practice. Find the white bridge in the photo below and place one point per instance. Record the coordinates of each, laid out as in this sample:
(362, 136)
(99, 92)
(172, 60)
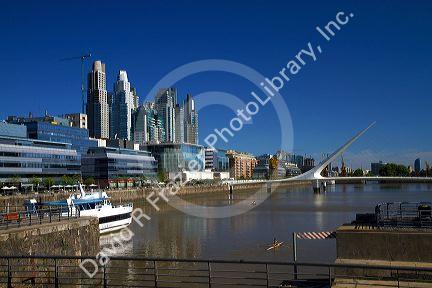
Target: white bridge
(314, 175)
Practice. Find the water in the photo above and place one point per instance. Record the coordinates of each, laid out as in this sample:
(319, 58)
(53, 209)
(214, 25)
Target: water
(173, 234)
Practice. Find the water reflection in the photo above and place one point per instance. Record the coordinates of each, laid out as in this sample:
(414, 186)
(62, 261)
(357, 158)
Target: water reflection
(171, 233)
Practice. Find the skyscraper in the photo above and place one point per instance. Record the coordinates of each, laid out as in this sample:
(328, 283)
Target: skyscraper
(190, 121)
(139, 126)
(97, 102)
(135, 97)
(123, 103)
(146, 125)
(179, 124)
(165, 103)
(417, 165)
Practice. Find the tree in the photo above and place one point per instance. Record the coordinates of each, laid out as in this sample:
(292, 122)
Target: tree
(358, 172)
(76, 178)
(142, 179)
(392, 169)
(36, 182)
(162, 176)
(15, 180)
(89, 181)
(66, 180)
(273, 169)
(48, 182)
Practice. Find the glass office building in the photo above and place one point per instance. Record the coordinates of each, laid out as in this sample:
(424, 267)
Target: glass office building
(13, 130)
(216, 160)
(220, 161)
(77, 137)
(174, 157)
(105, 164)
(25, 158)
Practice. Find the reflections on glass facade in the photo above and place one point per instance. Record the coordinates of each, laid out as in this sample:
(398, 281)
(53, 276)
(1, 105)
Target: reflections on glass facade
(104, 163)
(13, 130)
(173, 157)
(28, 157)
(79, 138)
(220, 161)
(216, 160)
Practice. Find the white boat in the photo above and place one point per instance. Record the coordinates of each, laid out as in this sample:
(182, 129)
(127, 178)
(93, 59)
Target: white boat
(96, 204)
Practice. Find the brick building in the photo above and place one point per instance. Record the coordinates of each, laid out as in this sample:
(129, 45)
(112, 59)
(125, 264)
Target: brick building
(241, 165)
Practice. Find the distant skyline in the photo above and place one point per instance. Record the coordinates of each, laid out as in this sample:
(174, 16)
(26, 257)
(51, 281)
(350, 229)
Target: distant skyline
(378, 68)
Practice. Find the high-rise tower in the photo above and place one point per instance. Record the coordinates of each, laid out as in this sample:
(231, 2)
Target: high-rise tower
(123, 104)
(146, 125)
(165, 103)
(97, 102)
(179, 124)
(190, 121)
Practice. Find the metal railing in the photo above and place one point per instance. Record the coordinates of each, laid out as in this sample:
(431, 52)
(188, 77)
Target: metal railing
(404, 214)
(65, 271)
(36, 216)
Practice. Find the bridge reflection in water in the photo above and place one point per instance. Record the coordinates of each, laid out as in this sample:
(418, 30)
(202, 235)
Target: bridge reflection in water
(64, 271)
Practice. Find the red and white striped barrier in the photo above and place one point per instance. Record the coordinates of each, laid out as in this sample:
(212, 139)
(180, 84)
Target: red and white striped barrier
(316, 235)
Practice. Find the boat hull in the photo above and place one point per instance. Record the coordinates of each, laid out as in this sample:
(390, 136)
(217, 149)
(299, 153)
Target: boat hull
(111, 218)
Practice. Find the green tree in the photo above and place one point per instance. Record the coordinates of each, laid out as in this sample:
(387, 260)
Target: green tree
(15, 180)
(142, 179)
(36, 181)
(89, 181)
(358, 172)
(162, 176)
(392, 169)
(66, 180)
(76, 178)
(48, 182)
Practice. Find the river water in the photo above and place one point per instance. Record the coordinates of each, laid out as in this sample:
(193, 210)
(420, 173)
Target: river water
(174, 234)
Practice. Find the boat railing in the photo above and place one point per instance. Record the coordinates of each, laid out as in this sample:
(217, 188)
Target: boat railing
(123, 205)
(37, 215)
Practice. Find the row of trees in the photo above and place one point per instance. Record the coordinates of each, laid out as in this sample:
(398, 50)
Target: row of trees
(49, 181)
(390, 169)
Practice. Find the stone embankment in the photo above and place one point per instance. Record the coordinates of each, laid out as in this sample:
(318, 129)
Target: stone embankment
(79, 236)
(137, 193)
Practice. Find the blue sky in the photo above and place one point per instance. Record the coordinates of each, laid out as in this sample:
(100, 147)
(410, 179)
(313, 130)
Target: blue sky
(377, 68)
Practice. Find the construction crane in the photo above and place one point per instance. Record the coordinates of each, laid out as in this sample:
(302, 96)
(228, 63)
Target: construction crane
(82, 58)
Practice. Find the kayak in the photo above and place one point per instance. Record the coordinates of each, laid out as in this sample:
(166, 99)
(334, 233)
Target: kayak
(274, 246)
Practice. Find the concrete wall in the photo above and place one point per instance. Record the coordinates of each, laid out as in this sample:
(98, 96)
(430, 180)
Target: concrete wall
(390, 245)
(378, 247)
(78, 237)
(74, 237)
(132, 194)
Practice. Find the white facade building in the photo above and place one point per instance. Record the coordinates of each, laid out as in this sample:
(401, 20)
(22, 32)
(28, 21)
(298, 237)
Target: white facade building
(97, 102)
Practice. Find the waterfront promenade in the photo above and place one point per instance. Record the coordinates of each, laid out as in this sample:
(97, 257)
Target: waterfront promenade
(139, 193)
(14, 202)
